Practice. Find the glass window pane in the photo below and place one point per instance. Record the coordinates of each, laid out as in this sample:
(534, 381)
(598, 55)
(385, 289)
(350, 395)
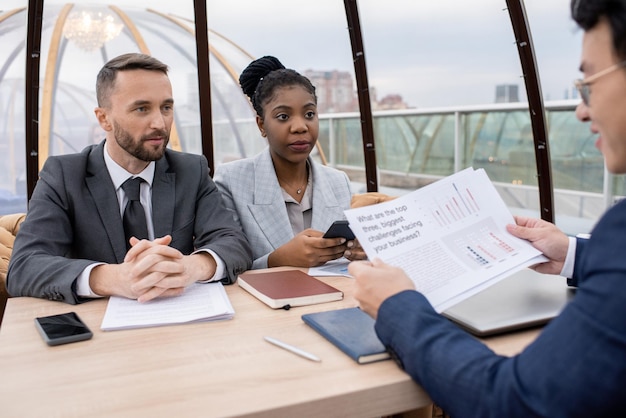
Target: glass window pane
(438, 74)
(13, 18)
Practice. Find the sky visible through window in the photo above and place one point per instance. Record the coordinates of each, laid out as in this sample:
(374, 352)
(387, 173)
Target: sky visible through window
(443, 53)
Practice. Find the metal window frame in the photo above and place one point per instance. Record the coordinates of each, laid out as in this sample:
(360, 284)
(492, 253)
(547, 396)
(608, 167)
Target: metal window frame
(519, 21)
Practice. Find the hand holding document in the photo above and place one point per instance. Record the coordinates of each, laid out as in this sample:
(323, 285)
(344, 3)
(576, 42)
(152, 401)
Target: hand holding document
(199, 302)
(449, 237)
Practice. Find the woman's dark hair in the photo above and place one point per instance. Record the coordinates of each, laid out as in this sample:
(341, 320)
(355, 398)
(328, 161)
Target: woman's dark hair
(263, 76)
(587, 13)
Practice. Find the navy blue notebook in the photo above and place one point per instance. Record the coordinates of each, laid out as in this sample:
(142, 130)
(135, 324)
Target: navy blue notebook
(352, 331)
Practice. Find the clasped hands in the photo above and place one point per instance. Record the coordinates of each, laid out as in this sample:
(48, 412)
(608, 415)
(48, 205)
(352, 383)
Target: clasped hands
(152, 269)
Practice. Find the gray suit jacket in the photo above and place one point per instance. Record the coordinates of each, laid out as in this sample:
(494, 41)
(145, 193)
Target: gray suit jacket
(251, 191)
(74, 220)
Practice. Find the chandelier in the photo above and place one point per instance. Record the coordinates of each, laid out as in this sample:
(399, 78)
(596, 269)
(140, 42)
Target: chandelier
(90, 30)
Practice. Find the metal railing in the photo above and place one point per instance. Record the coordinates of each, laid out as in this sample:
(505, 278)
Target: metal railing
(417, 146)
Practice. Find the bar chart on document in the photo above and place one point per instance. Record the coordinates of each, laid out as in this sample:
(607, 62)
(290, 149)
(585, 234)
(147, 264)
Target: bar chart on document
(453, 206)
(463, 213)
(480, 245)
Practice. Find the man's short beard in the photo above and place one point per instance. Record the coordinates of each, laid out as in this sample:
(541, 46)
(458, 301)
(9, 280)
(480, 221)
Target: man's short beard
(137, 149)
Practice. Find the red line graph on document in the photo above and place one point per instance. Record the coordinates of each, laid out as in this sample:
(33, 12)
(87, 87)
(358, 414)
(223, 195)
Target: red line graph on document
(452, 205)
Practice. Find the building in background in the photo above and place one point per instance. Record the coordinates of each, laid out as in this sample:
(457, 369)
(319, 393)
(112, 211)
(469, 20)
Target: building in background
(390, 102)
(507, 93)
(335, 91)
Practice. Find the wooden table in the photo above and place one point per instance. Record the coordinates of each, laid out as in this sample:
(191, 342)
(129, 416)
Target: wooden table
(203, 369)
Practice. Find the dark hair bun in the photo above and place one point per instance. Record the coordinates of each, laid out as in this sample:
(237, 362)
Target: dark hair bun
(250, 77)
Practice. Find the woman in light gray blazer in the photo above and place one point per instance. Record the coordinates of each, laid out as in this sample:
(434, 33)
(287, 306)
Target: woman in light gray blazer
(282, 198)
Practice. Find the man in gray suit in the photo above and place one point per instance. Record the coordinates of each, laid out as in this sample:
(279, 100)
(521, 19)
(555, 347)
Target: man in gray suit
(72, 245)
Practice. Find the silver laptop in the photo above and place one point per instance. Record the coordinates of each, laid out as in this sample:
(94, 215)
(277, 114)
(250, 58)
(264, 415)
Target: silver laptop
(523, 300)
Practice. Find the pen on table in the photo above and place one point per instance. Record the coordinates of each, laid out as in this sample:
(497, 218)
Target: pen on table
(291, 348)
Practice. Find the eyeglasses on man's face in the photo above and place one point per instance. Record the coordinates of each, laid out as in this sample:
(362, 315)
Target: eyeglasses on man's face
(583, 85)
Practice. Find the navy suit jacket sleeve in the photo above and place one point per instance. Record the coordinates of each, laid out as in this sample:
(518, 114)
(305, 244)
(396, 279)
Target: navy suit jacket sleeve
(576, 367)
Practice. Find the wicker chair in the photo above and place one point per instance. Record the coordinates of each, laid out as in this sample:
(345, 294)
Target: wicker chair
(369, 198)
(9, 225)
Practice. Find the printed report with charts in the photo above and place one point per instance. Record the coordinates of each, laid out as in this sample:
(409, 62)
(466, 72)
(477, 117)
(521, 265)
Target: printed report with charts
(449, 237)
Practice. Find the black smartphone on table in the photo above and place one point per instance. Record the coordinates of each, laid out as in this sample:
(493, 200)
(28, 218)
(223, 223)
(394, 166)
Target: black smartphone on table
(340, 229)
(62, 329)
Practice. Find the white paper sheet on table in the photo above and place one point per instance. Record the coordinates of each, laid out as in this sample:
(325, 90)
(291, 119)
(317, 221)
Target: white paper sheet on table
(338, 267)
(199, 302)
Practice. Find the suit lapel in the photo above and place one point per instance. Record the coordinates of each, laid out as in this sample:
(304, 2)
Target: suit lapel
(103, 193)
(326, 208)
(268, 208)
(163, 198)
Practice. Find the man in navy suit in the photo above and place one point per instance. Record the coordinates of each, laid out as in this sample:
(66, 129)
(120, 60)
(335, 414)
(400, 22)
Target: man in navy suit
(72, 245)
(577, 365)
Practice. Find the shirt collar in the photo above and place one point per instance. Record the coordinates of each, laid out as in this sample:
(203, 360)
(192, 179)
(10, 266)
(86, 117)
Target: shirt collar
(119, 174)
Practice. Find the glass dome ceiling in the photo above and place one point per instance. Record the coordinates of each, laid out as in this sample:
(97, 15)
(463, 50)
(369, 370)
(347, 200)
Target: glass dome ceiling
(77, 39)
